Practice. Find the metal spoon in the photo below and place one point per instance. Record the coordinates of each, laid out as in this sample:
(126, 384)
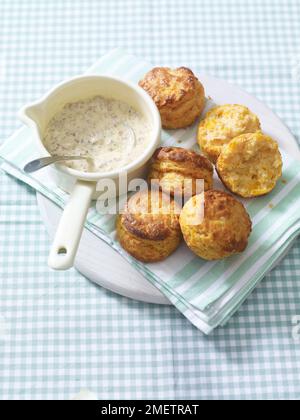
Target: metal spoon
(40, 163)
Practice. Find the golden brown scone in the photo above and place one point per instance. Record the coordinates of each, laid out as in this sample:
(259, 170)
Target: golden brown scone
(221, 124)
(250, 165)
(178, 94)
(149, 227)
(176, 171)
(222, 232)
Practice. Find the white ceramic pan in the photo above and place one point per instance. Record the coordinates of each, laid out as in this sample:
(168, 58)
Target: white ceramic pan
(82, 185)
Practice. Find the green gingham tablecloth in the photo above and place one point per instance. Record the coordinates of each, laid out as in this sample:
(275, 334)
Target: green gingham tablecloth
(58, 332)
(207, 293)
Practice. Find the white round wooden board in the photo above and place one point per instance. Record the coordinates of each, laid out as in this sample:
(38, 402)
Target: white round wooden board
(104, 266)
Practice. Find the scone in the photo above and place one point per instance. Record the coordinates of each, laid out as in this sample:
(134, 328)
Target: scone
(176, 171)
(148, 228)
(178, 95)
(223, 230)
(221, 124)
(250, 165)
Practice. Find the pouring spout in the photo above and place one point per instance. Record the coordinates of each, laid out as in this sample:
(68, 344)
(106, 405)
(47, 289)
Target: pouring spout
(32, 114)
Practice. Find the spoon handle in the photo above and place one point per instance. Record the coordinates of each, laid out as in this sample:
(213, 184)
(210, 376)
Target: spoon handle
(40, 163)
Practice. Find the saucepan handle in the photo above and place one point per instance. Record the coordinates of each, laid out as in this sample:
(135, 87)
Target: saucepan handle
(69, 231)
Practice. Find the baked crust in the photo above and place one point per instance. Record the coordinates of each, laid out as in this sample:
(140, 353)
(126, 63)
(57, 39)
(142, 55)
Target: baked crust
(148, 228)
(224, 229)
(181, 155)
(177, 93)
(250, 165)
(176, 171)
(223, 123)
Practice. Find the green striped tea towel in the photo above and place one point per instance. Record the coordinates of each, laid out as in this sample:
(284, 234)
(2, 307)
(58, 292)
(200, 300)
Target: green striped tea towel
(207, 293)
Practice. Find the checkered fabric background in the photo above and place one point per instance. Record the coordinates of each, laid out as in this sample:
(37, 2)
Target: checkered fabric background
(60, 333)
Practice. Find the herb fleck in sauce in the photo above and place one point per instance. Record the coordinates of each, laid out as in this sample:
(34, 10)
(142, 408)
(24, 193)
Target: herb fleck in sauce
(101, 129)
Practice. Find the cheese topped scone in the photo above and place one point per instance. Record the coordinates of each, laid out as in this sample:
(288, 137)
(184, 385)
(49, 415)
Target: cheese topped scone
(222, 231)
(176, 171)
(177, 93)
(250, 165)
(221, 124)
(148, 228)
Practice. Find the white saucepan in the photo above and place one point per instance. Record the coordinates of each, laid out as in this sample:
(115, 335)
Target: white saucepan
(82, 185)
